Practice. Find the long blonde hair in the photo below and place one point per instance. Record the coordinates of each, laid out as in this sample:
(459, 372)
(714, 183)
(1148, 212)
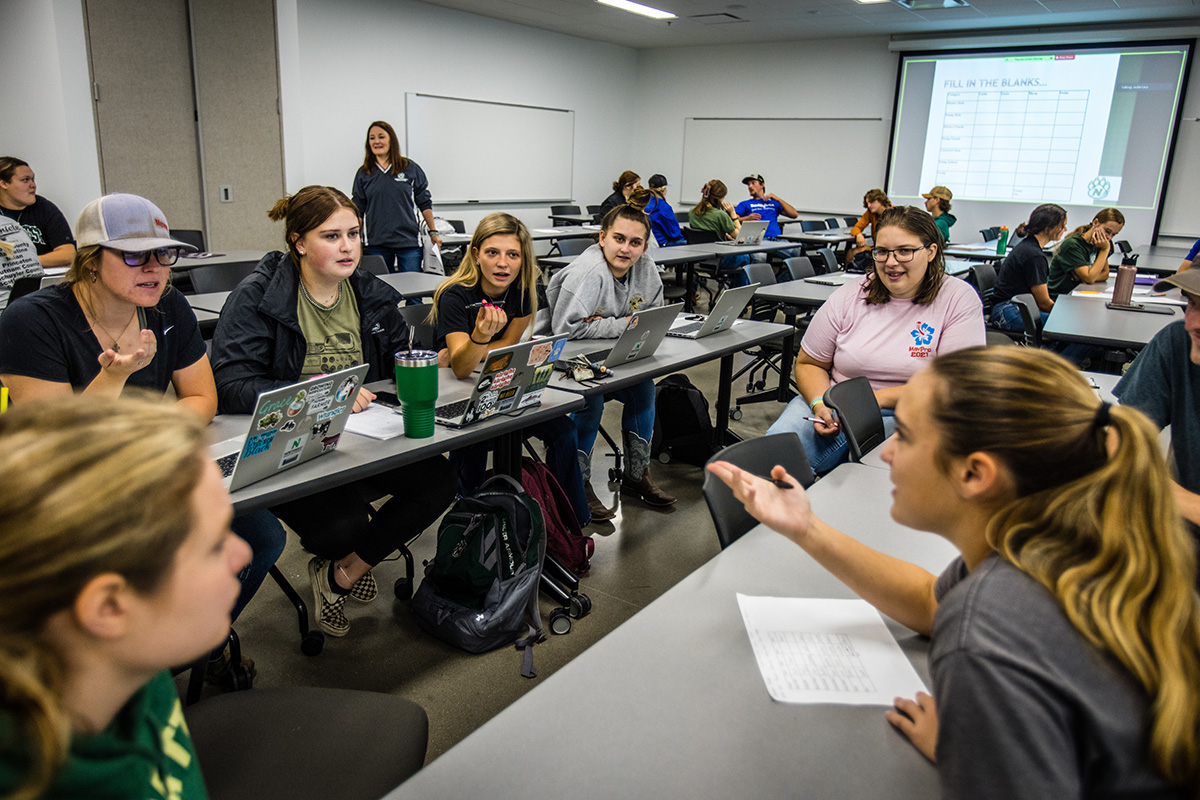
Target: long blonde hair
(90, 487)
(468, 273)
(1101, 532)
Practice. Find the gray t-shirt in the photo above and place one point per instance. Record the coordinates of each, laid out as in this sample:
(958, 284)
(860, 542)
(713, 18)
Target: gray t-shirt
(1027, 708)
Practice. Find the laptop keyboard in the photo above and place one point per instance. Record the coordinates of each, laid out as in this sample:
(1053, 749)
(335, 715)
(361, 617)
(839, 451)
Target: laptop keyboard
(686, 330)
(451, 410)
(227, 463)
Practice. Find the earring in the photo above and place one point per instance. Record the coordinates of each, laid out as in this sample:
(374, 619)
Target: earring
(93, 275)
(298, 250)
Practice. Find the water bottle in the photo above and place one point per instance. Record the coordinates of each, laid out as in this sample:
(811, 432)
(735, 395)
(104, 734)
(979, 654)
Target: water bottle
(1002, 241)
(1123, 288)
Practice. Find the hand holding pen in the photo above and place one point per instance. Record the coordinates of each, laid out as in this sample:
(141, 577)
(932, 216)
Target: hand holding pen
(490, 320)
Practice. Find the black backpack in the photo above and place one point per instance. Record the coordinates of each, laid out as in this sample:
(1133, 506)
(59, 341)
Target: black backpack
(683, 429)
(482, 584)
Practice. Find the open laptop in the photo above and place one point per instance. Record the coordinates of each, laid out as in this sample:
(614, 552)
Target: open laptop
(728, 308)
(833, 278)
(751, 232)
(643, 334)
(511, 378)
(290, 425)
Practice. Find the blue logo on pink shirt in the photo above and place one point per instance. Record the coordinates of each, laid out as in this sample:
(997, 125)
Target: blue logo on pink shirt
(922, 334)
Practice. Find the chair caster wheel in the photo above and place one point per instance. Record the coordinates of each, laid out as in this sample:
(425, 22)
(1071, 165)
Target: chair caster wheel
(760, 385)
(240, 678)
(313, 643)
(403, 589)
(580, 606)
(735, 414)
(560, 622)
(614, 476)
(664, 456)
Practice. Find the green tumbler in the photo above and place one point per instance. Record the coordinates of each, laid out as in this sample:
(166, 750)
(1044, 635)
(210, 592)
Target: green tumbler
(417, 388)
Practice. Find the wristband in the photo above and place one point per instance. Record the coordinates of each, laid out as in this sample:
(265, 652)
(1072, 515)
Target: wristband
(813, 405)
(471, 336)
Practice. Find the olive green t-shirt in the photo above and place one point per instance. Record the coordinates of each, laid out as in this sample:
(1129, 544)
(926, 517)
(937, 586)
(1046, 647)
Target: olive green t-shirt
(1072, 254)
(334, 338)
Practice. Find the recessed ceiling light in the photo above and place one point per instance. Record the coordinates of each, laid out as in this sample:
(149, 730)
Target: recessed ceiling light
(638, 8)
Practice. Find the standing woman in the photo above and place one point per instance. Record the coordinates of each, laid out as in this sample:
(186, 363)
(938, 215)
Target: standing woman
(622, 188)
(1082, 257)
(1065, 641)
(389, 190)
(1026, 270)
(592, 298)
(662, 217)
(41, 219)
(499, 276)
(304, 313)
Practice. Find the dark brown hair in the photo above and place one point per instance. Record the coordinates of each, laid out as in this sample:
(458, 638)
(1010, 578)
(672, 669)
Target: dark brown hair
(8, 165)
(876, 194)
(919, 223)
(626, 211)
(307, 210)
(1045, 217)
(398, 162)
(627, 177)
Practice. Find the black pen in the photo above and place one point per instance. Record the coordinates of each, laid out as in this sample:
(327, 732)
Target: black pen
(782, 484)
(481, 304)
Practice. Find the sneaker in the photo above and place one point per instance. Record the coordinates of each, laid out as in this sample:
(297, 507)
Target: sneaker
(328, 607)
(365, 589)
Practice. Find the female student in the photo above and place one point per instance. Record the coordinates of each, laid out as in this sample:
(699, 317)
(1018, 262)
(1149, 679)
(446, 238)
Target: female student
(1065, 650)
(41, 219)
(715, 213)
(389, 191)
(116, 322)
(885, 327)
(622, 188)
(662, 217)
(592, 298)
(1025, 269)
(303, 313)
(498, 277)
(1083, 255)
(142, 577)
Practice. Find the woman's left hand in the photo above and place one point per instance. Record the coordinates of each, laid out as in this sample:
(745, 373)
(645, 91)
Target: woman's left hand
(362, 400)
(917, 719)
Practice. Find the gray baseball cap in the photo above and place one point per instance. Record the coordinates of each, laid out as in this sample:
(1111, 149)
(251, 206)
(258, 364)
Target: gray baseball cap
(125, 222)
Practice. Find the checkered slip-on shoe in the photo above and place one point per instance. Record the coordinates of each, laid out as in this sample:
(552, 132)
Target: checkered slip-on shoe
(328, 607)
(365, 589)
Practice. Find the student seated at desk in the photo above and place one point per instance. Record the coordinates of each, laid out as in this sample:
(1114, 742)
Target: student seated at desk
(115, 322)
(885, 327)
(875, 202)
(1082, 257)
(1025, 269)
(304, 313)
(117, 564)
(1191, 256)
(662, 217)
(1065, 650)
(769, 207)
(41, 219)
(498, 276)
(623, 187)
(937, 203)
(715, 213)
(592, 298)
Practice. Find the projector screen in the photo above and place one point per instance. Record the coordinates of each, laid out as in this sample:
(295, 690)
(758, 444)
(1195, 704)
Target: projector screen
(1005, 130)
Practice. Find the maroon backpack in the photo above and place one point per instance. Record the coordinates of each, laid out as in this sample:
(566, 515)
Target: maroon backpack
(564, 538)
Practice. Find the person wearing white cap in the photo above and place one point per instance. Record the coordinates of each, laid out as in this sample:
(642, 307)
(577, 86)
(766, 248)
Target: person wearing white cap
(1164, 383)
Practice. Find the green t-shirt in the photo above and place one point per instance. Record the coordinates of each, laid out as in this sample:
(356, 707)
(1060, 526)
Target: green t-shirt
(334, 338)
(1072, 254)
(145, 754)
(715, 219)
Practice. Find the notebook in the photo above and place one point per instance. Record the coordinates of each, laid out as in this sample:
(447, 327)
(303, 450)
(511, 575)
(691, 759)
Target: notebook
(751, 232)
(290, 425)
(511, 378)
(643, 334)
(727, 309)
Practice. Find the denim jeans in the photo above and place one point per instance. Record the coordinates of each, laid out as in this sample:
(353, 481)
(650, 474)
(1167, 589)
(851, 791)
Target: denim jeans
(637, 416)
(266, 538)
(404, 259)
(824, 452)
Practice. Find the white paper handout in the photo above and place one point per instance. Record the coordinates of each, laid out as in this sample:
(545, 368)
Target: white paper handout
(376, 421)
(813, 650)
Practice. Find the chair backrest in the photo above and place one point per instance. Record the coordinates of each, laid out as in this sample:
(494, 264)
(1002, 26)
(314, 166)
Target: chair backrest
(220, 277)
(373, 264)
(572, 210)
(23, 286)
(833, 223)
(996, 338)
(573, 247)
(850, 221)
(807, 225)
(762, 273)
(458, 225)
(984, 275)
(594, 210)
(194, 238)
(417, 317)
(700, 236)
(829, 259)
(858, 415)
(1031, 317)
(759, 455)
(681, 215)
(988, 234)
(800, 267)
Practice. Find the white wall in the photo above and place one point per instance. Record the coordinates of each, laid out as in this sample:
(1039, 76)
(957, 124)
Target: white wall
(345, 64)
(48, 118)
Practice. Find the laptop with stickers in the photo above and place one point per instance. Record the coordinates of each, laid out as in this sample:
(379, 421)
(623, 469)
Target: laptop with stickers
(290, 425)
(643, 334)
(751, 232)
(511, 378)
(724, 312)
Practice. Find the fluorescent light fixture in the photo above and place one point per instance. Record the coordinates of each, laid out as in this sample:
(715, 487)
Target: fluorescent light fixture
(868, 2)
(922, 5)
(638, 8)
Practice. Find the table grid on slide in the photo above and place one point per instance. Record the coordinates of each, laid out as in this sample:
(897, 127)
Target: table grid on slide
(1003, 145)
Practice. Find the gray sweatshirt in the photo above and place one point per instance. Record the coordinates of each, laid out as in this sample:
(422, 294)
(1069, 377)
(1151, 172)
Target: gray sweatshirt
(586, 288)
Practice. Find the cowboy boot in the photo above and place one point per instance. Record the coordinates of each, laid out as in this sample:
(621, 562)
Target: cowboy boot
(636, 481)
(600, 512)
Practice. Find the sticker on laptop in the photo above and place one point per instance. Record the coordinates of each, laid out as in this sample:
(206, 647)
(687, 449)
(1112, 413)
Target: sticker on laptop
(530, 398)
(320, 404)
(487, 400)
(541, 376)
(292, 450)
(320, 390)
(504, 378)
(297, 404)
(270, 420)
(258, 444)
(545, 351)
(324, 415)
(288, 426)
(498, 364)
(329, 443)
(343, 391)
(507, 399)
(321, 428)
(633, 322)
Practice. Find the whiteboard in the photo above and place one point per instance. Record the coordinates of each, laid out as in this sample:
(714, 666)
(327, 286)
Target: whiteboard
(480, 151)
(823, 165)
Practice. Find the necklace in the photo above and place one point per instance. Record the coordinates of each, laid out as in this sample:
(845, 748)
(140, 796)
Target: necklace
(322, 309)
(89, 312)
(116, 347)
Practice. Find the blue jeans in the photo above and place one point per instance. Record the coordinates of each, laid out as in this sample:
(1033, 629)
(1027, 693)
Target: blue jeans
(1007, 316)
(735, 264)
(404, 259)
(558, 436)
(673, 242)
(637, 416)
(824, 452)
(266, 538)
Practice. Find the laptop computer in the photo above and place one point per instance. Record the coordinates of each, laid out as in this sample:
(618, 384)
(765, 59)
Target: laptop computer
(833, 278)
(751, 232)
(728, 308)
(290, 425)
(643, 334)
(511, 378)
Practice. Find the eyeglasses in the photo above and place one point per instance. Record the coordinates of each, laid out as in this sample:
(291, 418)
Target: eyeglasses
(903, 254)
(166, 256)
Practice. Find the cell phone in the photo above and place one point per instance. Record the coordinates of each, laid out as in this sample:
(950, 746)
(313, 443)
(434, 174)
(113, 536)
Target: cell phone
(143, 324)
(388, 399)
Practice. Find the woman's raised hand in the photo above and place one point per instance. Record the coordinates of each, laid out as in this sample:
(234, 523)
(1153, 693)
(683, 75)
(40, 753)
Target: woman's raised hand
(785, 510)
(122, 365)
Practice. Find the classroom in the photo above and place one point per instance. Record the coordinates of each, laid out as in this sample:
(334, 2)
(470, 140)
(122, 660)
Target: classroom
(215, 109)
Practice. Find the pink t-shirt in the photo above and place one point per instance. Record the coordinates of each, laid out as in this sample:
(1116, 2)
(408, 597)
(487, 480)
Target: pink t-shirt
(890, 343)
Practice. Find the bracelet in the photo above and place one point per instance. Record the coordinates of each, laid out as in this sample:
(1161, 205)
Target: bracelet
(813, 405)
(471, 336)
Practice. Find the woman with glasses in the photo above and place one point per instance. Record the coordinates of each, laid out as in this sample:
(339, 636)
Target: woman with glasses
(885, 327)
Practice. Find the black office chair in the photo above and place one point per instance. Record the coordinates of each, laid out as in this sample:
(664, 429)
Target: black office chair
(1031, 318)
(417, 317)
(799, 267)
(682, 216)
(850, 221)
(809, 225)
(827, 260)
(759, 455)
(573, 247)
(304, 743)
(458, 225)
(194, 238)
(220, 277)
(766, 356)
(373, 264)
(700, 236)
(595, 212)
(858, 415)
(989, 234)
(24, 286)
(569, 210)
(833, 223)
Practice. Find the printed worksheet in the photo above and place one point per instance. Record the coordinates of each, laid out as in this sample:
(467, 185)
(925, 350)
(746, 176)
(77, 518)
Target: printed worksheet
(813, 650)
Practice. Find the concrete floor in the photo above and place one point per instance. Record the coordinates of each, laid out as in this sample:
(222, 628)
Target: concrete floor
(638, 557)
